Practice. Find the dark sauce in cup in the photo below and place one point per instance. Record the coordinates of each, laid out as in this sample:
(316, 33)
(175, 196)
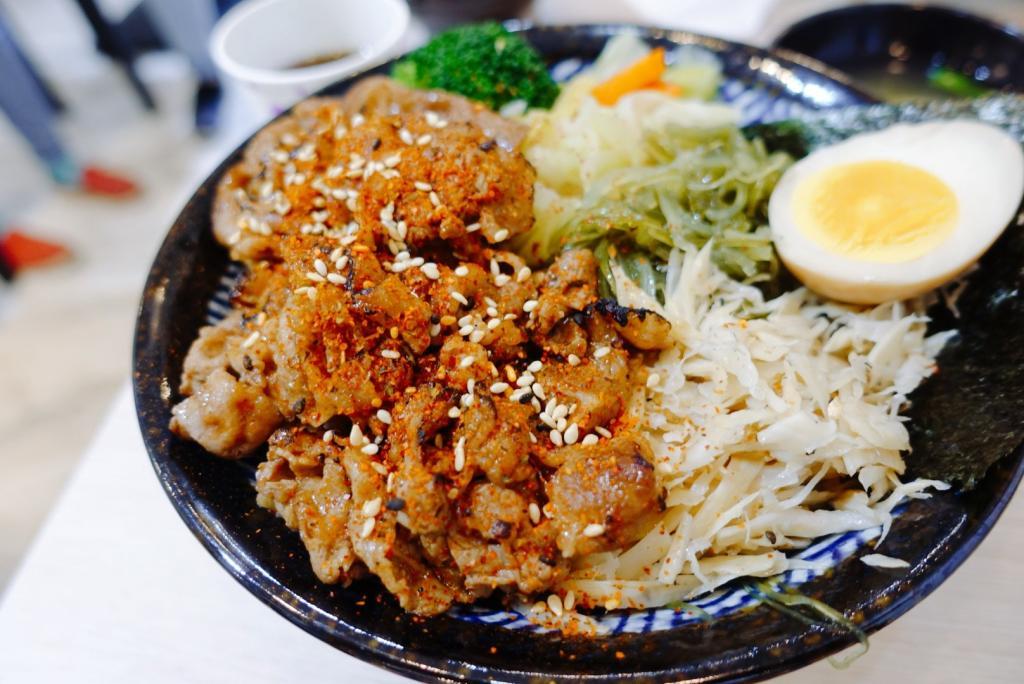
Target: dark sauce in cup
(320, 59)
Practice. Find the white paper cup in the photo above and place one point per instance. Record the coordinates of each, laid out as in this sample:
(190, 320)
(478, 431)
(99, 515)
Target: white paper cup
(258, 43)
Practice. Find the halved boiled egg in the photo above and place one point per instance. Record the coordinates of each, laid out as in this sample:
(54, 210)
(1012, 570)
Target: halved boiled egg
(894, 213)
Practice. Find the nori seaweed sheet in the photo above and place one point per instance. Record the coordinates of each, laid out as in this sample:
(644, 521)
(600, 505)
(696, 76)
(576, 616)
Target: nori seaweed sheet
(971, 412)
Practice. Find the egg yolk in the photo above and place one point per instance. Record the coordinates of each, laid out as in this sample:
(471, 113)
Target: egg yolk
(878, 211)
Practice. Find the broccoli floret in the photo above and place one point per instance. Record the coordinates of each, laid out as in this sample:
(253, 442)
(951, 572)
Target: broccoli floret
(483, 62)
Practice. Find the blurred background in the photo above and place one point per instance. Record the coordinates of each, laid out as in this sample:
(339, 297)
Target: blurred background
(113, 111)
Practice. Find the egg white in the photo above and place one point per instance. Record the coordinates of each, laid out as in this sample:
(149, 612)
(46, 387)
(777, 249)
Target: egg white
(981, 164)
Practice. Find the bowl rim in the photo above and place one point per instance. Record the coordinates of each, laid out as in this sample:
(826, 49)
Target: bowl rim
(364, 645)
(953, 13)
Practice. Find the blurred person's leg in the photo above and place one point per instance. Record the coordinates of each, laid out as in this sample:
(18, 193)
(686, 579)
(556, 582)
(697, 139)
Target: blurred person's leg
(27, 108)
(185, 25)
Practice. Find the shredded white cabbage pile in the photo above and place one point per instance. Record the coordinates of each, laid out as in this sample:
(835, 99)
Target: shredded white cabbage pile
(773, 423)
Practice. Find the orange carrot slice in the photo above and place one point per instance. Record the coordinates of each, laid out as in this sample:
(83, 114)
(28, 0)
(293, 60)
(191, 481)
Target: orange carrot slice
(644, 72)
(671, 89)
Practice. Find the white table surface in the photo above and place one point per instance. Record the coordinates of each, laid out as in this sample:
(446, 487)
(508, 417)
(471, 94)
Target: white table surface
(115, 589)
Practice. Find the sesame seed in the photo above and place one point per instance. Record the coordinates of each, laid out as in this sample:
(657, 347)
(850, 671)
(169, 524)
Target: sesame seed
(653, 379)
(524, 274)
(336, 253)
(393, 161)
(501, 279)
(336, 278)
(390, 354)
(384, 416)
(493, 323)
(466, 400)
(405, 136)
(476, 336)
(499, 388)
(492, 312)
(328, 437)
(601, 352)
(460, 298)
(533, 437)
(535, 366)
(372, 507)
(547, 419)
(571, 434)
(520, 393)
(251, 340)
(538, 607)
(434, 330)
(570, 600)
(355, 435)
(454, 412)
(573, 360)
(466, 320)
(434, 199)
(555, 604)
(235, 237)
(470, 385)
(524, 380)
(501, 235)
(561, 424)
(549, 408)
(367, 527)
(534, 513)
(604, 432)
(589, 440)
(315, 277)
(538, 391)
(530, 305)
(556, 438)
(593, 530)
(462, 271)
(466, 330)
(460, 454)
(341, 263)
(560, 411)
(472, 227)
(370, 449)
(358, 120)
(422, 187)
(430, 270)
(466, 361)
(424, 139)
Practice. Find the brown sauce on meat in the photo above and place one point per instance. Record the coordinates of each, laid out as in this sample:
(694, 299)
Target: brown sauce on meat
(430, 418)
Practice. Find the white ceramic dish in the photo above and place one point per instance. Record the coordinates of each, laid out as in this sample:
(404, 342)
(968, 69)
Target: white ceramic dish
(258, 43)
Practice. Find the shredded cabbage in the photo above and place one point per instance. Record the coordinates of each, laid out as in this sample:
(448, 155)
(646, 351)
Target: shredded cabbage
(773, 422)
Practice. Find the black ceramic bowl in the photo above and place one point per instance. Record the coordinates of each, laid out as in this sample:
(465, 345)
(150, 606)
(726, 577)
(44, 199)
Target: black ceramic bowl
(216, 500)
(899, 49)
